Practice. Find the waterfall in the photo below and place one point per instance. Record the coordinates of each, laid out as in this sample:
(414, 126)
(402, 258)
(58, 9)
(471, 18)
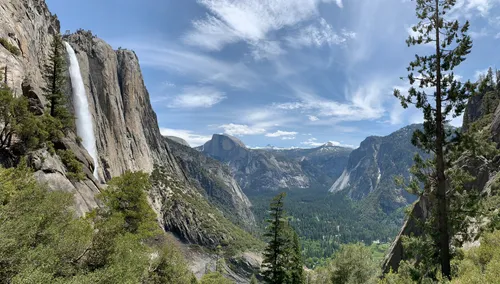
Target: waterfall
(84, 126)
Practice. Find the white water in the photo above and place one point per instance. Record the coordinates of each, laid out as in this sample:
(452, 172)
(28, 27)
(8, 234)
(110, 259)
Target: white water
(84, 126)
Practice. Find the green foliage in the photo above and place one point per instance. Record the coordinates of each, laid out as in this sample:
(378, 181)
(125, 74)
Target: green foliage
(74, 167)
(126, 196)
(283, 256)
(481, 264)
(169, 267)
(214, 278)
(42, 241)
(11, 48)
(275, 255)
(30, 232)
(253, 280)
(353, 264)
(324, 221)
(55, 80)
(17, 121)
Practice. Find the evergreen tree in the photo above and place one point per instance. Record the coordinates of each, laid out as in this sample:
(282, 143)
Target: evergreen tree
(296, 263)
(55, 77)
(275, 260)
(449, 96)
(253, 280)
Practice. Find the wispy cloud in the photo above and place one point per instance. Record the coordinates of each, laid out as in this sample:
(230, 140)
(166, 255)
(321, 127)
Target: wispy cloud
(241, 129)
(312, 118)
(192, 138)
(197, 66)
(252, 21)
(197, 97)
(284, 135)
(364, 103)
(319, 34)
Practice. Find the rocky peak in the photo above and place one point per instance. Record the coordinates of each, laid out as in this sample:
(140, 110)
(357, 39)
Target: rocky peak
(225, 147)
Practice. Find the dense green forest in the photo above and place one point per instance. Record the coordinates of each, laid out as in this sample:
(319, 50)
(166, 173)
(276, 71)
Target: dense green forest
(324, 221)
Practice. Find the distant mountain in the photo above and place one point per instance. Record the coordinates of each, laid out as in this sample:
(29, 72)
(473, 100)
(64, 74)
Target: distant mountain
(271, 169)
(178, 140)
(371, 169)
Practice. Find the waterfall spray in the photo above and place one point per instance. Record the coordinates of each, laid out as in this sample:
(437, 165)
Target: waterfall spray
(84, 126)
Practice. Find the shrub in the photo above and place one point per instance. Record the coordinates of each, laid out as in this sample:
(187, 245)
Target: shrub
(74, 167)
(11, 48)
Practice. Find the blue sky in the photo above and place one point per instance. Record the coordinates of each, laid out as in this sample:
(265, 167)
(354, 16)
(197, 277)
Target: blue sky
(281, 72)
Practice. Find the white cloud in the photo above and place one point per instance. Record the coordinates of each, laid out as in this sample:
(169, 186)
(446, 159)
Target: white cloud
(197, 97)
(313, 118)
(266, 50)
(464, 8)
(365, 103)
(192, 138)
(194, 65)
(168, 84)
(319, 34)
(284, 134)
(241, 129)
(479, 34)
(251, 21)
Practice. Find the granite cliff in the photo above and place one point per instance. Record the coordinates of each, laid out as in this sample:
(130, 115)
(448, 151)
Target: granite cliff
(371, 169)
(260, 170)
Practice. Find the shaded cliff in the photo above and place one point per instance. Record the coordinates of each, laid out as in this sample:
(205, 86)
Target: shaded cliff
(372, 167)
(214, 180)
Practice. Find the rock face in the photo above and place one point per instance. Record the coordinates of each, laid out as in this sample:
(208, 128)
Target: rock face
(215, 182)
(372, 167)
(127, 133)
(28, 25)
(259, 170)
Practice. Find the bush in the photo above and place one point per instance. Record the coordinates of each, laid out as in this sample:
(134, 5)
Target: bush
(11, 48)
(353, 263)
(481, 264)
(74, 167)
(41, 240)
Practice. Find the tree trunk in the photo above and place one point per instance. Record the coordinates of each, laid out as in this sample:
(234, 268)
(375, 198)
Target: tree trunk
(442, 211)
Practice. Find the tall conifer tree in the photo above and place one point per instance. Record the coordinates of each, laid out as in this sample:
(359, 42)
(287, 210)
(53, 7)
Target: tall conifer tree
(275, 258)
(447, 98)
(55, 82)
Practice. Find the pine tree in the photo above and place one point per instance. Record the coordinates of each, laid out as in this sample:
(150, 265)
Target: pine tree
(275, 260)
(253, 280)
(449, 96)
(297, 270)
(55, 79)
